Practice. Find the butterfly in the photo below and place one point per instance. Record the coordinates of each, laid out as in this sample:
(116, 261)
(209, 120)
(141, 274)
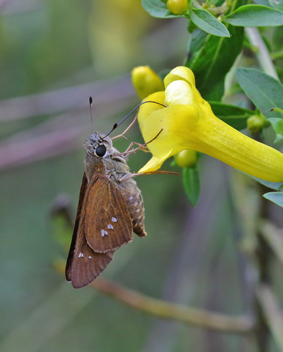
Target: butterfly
(110, 209)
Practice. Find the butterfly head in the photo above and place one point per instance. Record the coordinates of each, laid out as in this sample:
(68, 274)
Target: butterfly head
(98, 145)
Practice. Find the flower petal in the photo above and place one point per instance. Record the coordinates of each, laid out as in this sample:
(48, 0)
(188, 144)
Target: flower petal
(177, 124)
(154, 164)
(180, 73)
(179, 92)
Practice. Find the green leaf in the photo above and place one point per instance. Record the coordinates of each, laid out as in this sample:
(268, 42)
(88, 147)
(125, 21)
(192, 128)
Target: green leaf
(263, 90)
(277, 4)
(208, 23)
(234, 116)
(255, 16)
(212, 58)
(275, 197)
(197, 40)
(191, 183)
(157, 8)
(277, 35)
(277, 125)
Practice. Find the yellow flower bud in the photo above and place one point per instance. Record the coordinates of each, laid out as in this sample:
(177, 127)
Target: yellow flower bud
(186, 158)
(186, 121)
(146, 81)
(178, 7)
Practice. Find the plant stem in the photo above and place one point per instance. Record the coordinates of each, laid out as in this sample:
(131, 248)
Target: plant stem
(193, 316)
(262, 54)
(272, 312)
(274, 238)
(263, 255)
(276, 55)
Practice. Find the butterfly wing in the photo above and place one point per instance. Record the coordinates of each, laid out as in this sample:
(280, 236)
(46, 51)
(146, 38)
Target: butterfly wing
(75, 232)
(83, 264)
(107, 222)
(86, 264)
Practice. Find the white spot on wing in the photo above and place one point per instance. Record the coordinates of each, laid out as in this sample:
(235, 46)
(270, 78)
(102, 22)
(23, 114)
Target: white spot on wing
(113, 219)
(89, 256)
(104, 232)
(81, 255)
(110, 226)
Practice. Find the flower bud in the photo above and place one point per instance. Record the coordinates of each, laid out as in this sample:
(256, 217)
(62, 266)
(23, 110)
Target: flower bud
(146, 81)
(186, 158)
(178, 7)
(256, 123)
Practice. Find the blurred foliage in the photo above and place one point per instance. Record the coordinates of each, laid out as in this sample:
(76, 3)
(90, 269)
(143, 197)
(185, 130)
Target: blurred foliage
(190, 255)
(115, 36)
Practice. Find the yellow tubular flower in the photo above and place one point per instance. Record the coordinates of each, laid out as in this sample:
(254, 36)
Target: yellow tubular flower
(187, 122)
(146, 81)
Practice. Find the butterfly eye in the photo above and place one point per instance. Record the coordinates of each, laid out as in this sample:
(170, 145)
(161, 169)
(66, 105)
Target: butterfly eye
(100, 150)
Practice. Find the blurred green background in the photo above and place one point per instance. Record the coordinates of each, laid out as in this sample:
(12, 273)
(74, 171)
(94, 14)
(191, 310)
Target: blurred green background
(53, 56)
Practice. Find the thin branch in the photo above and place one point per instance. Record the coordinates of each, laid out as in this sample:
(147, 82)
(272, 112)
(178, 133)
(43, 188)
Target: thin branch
(162, 309)
(30, 146)
(272, 312)
(274, 237)
(262, 53)
(76, 97)
(57, 135)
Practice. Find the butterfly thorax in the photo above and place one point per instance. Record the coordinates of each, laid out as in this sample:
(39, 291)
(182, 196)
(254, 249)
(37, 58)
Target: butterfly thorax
(102, 157)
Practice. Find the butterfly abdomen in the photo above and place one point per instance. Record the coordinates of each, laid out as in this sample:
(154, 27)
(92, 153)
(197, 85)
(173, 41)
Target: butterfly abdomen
(134, 201)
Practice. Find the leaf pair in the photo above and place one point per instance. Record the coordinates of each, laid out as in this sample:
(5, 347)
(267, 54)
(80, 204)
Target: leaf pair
(268, 14)
(200, 17)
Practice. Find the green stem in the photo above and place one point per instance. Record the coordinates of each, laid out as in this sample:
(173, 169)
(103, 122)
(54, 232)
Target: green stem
(262, 54)
(263, 256)
(274, 238)
(220, 10)
(276, 55)
(272, 312)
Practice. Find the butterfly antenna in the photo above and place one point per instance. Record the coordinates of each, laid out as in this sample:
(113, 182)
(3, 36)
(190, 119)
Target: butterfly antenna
(90, 110)
(119, 123)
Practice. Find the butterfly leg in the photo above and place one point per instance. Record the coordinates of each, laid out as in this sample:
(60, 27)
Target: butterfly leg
(127, 176)
(127, 129)
(140, 146)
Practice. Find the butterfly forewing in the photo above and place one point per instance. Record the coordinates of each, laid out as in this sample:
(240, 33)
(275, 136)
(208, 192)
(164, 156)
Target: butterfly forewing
(108, 224)
(83, 264)
(75, 232)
